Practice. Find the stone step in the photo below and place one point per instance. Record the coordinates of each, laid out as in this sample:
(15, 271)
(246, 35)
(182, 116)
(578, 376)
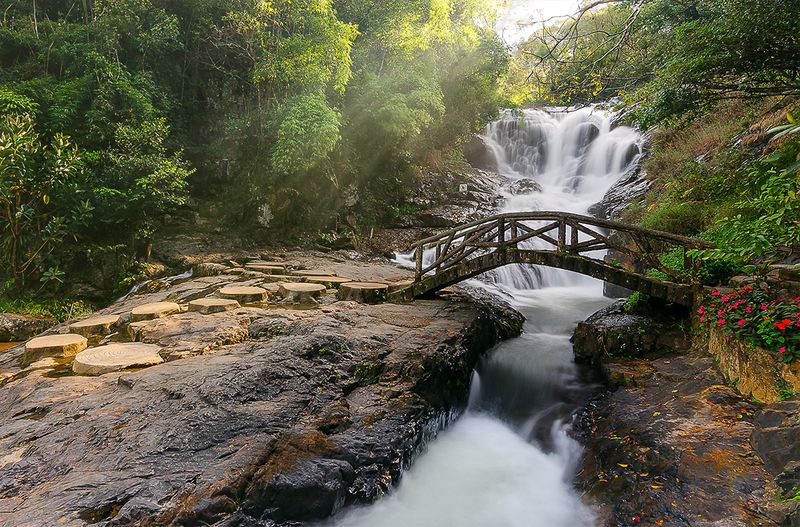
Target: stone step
(244, 294)
(312, 272)
(266, 268)
(364, 292)
(331, 282)
(67, 345)
(301, 292)
(208, 306)
(400, 285)
(115, 357)
(95, 326)
(279, 278)
(154, 310)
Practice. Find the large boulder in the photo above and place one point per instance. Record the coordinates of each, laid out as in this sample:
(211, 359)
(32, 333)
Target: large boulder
(16, 327)
(478, 154)
(615, 332)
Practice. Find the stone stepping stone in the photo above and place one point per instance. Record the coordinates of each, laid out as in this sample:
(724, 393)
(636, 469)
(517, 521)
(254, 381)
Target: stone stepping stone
(266, 268)
(301, 292)
(400, 285)
(54, 346)
(115, 357)
(207, 306)
(244, 294)
(279, 278)
(154, 310)
(306, 272)
(331, 282)
(364, 292)
(95, 326)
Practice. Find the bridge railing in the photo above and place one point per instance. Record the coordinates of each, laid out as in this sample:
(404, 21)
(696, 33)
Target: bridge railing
(558, 232)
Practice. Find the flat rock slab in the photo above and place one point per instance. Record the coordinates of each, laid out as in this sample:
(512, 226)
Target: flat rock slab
(279, 278)
(301, 292)
(399, 286)
(331, 282)
(244, 294)
(54, 346)
(207, 306)
(115, 357)
(155, 310)
(268, 268)
(95, 326)
(364, 292)
(312, 272)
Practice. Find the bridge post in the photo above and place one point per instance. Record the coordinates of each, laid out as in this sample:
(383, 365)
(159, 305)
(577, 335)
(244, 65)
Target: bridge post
(501, 234)
(418, 260)
(562, 234)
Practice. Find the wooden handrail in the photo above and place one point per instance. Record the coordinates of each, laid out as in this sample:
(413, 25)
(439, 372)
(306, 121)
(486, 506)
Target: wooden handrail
(691, 243)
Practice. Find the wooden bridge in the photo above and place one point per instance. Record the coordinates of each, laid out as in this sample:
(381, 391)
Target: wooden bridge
(561, 240)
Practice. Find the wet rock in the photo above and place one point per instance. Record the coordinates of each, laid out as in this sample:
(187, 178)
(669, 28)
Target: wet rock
(209, 269)
(612, 332)
(630, 187)
(259, 416)
(776, 438)
(673, 450)
(15, 327)
(478, 154)
(524, 186)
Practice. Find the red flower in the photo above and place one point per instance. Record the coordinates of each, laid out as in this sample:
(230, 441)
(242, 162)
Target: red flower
(715, 293)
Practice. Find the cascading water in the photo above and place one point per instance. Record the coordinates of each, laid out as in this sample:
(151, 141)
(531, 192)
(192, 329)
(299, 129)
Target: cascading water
(508, 461)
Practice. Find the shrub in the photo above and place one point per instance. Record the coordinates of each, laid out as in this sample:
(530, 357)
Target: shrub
(42, 200)
(759, 315)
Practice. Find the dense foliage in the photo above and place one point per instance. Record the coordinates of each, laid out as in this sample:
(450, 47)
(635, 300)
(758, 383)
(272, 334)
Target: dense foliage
(296, 112)
(669, 58)
(758, 315)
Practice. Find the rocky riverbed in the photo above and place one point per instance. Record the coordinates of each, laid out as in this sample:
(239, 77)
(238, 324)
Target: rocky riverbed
(669, 443)
(269, 414)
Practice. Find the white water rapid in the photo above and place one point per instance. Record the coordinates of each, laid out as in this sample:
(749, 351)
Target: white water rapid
(509, 461)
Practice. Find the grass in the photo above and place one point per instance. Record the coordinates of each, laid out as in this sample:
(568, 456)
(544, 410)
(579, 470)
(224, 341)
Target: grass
(59, 309)
(697, 170)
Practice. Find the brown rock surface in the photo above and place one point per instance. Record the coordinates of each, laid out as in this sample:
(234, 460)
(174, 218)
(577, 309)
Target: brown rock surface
(254, 410)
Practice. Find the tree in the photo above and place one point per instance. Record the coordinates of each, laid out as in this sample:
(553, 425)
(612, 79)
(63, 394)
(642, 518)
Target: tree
(670, 57)
(42, 199)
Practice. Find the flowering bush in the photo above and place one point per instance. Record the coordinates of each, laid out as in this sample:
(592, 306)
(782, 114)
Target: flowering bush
(758, 315)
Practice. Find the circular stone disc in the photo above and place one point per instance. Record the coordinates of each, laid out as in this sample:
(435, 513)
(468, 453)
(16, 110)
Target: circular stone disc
(94, 325)
(328, 281)
(114, 357)
(297, 287)
(365, 292)
(54, 346)
(367, 285)
(155, 310)
(207, 306)
(312, 273)
(244, 293)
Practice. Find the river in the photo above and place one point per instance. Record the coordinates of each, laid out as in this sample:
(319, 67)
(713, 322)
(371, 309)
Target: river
(509, 461)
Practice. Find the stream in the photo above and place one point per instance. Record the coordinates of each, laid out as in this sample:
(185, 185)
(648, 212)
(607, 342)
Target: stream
(509, 461)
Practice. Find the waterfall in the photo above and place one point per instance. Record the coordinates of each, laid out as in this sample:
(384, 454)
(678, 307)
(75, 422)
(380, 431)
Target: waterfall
(509, 460)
